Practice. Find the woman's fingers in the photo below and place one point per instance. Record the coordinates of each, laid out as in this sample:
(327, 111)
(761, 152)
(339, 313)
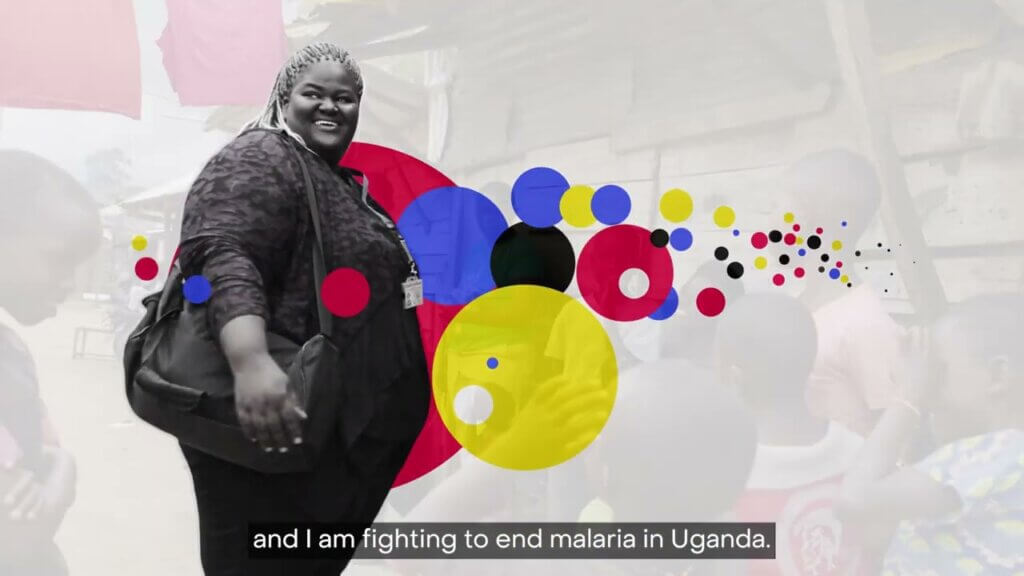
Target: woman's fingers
(293, 417)
(245, 420)
(279, 437)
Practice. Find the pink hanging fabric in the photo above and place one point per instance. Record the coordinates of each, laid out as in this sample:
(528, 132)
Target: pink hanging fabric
(70, 55)
(223, 52)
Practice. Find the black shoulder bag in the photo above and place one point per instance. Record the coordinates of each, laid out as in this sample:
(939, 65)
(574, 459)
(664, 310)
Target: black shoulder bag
(178, 379)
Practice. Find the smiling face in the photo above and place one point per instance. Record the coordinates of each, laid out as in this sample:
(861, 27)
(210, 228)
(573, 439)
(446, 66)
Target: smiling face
(323, 108)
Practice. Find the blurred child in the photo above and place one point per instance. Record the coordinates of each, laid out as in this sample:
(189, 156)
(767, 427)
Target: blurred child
(961, 509)
(766, 346)
(49, 225)
(858, 343)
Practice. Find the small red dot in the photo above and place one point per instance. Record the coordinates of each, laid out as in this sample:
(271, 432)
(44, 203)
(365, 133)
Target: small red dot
(821, 230)
(839, 264)
(790, 239)
(799, 272)
(779, 279)
(796, 227)
(710, 302)
(345, 292)
(146, 268)
(759, 240)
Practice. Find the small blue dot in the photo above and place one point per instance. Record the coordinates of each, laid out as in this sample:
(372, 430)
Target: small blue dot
(735, 232)
(611, 204)
(668, 307)
(536, 195)
(802, 252)
(844, 223)
(492, 363)
(834, 273)
(197, 289)
(681, 239)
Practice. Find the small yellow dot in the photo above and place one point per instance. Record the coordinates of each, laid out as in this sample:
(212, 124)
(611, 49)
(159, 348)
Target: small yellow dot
(799, 240)
(676, 205)
(837, 245)
(788, 217)
(760, 262)
(844, 279)
(139, 243)
(724, 216)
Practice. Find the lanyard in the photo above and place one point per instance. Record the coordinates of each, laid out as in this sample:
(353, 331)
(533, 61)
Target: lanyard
(387, 222)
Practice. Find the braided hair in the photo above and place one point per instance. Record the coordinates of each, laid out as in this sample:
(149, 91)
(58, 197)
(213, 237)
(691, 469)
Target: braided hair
(272, 116)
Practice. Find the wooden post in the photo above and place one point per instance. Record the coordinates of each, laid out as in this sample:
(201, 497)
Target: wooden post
(860, 72)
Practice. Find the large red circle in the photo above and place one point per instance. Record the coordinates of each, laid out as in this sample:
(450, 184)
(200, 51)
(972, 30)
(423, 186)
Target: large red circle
(396, 179)
(606, 256)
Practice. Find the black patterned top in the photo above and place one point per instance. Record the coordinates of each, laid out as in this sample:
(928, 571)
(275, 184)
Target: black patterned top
(246, 227)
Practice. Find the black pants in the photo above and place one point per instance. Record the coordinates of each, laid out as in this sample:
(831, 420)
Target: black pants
(230, 497)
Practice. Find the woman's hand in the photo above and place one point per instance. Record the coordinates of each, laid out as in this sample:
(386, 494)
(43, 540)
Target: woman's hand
(267, 411)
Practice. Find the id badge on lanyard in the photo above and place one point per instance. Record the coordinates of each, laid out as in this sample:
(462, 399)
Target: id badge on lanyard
(412, 288)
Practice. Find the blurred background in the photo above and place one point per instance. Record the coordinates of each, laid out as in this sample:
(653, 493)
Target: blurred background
(713, 96)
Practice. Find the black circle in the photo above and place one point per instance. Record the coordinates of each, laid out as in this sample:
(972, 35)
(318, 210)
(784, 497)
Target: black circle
(821, 269)
(888, 249)
(535, 256)
(849, 285)
(775, 236)
(784, 259)
(659, 238)
(721, 253)
(814, 242)
(735, 270)
(857, 253)
(824, 257)
(879, 244)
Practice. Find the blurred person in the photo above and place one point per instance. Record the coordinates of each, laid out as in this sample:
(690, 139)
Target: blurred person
(766, 345)
(246, 228)
(50, 225)
(858, 342)
(960, 510)
(677, 448)
(688, 334)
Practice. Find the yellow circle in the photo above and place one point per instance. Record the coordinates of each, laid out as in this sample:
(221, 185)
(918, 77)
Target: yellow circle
(760, 262)
(575, 206)
(676, 205)
(557, 382)
(799, 240)
(724, 216)
(844, 279)
(139, 243)
(837, 245)
(788, 217)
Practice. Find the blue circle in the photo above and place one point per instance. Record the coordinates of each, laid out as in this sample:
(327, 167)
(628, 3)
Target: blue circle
(611, 204)
(844, 223)
(197, 289)
(735, 232)
(681, 239)
(492, 363)
(834, 273)
(537, 195)
(802, 252)
(451, 232)
(668, 307)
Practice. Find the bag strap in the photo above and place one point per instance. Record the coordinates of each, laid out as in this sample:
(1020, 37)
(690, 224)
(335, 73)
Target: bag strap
(319, 268)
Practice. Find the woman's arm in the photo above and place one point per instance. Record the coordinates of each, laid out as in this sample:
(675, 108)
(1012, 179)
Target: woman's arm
(239, 231)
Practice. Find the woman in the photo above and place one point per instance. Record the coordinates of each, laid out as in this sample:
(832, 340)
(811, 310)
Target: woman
(247, 229)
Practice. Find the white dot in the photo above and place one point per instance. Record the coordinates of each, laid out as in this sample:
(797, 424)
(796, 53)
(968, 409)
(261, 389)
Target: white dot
(473, 405)
(634, 283)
